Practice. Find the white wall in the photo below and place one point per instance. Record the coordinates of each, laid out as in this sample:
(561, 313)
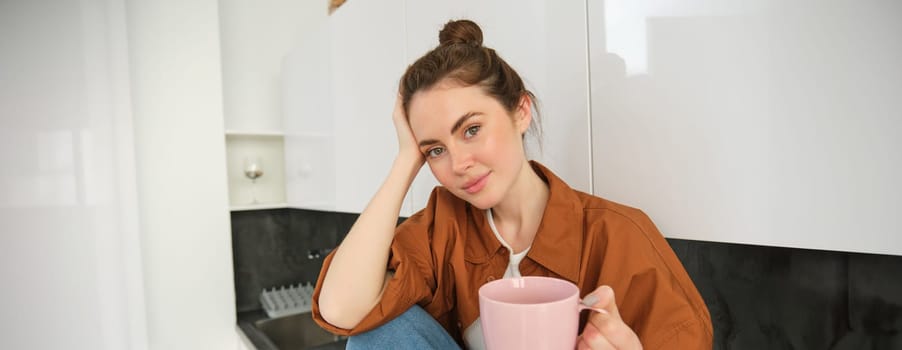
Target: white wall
(70, 259)
(180, 148)
(769, 122)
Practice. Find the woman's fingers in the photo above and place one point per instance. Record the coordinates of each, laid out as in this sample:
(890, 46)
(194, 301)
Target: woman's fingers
(611, 331)
(591, 339)
(604, 299)
(406, 141)
(399, 108)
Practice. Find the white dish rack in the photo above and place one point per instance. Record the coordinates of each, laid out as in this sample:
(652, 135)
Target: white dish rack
(290, 300)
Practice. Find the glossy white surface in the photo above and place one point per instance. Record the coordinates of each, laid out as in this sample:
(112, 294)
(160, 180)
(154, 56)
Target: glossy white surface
(308, 119)
(339, 86)
(255, 37)
(772, 123)
(70, 259)
(367, 58)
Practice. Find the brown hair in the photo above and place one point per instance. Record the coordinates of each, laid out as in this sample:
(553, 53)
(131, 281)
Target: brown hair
(461, 57)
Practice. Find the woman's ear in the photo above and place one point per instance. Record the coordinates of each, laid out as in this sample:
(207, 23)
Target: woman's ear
(523, 114)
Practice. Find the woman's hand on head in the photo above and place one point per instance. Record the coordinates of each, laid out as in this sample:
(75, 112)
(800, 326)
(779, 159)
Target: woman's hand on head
(606, 330)
(407, 144)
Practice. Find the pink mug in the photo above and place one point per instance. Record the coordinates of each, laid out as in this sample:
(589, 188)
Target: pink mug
(530, 313)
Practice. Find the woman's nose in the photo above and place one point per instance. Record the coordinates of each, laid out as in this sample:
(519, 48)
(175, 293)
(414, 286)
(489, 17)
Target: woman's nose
(461, 161)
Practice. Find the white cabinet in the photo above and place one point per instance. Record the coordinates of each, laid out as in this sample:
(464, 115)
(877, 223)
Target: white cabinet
(255, 37)
(340, 88)
(769, 122)
(309, 122)
(367, 61)
(341, 83)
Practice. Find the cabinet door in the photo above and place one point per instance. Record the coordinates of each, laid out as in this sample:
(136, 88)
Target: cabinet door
(367, 59)
(339, 89)
(308, 122)
(769, 122)
(545, 42)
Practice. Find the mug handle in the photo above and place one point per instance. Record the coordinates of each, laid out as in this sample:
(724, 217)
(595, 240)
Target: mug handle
(584, 307)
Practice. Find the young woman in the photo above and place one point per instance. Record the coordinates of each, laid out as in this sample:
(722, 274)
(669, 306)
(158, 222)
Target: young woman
(463, 111)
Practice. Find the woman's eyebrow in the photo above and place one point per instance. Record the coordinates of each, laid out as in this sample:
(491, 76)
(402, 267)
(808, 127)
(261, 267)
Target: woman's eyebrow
(460, 122)
(427, 142)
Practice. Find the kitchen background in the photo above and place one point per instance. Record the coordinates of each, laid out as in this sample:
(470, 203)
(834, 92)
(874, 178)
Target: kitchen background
(759, 297)
(758, 136)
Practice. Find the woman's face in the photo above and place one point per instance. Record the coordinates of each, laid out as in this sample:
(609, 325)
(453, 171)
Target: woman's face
(472, 144)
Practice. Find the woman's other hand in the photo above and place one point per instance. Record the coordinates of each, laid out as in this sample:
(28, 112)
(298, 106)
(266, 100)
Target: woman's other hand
(606, 331)
(407, 144)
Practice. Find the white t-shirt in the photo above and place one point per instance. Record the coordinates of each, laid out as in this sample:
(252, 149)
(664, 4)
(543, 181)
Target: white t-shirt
(473, 333)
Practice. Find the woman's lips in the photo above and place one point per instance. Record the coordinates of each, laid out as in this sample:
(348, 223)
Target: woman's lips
(476, 185)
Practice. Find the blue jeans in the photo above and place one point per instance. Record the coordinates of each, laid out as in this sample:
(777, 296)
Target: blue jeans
(414, 329)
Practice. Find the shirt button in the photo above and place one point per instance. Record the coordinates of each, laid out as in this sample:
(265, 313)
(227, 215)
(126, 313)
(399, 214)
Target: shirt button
(490, 278)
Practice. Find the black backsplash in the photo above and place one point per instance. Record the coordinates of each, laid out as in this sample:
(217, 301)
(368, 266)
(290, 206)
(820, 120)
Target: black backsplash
(272, 248)
(784, 298)
(759, 297)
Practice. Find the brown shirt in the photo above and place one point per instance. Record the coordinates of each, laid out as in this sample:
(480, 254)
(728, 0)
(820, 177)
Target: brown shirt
(442, 255)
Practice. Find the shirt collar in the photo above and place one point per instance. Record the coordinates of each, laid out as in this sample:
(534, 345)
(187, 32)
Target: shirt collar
(558, 242)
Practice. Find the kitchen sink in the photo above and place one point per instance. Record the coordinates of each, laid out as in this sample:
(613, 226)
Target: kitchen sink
(294, 332)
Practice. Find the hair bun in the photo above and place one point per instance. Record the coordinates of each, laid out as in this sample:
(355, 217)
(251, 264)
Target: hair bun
(460, 32)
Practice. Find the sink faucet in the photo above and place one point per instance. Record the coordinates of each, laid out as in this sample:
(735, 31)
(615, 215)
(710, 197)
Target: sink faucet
(316, 253)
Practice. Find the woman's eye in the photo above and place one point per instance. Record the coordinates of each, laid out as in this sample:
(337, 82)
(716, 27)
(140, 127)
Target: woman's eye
(435, 152)
(471, 131)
